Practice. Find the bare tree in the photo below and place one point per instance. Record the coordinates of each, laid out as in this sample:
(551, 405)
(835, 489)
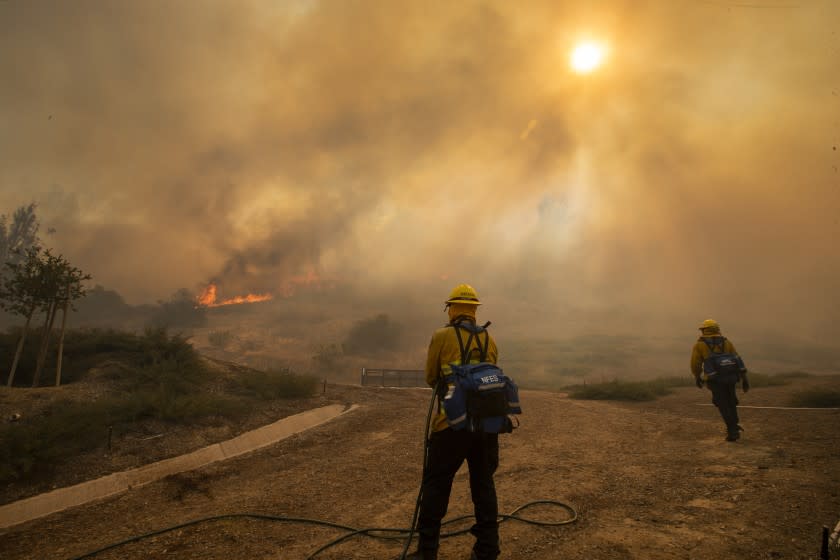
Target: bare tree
(72, 289)
(59, 284)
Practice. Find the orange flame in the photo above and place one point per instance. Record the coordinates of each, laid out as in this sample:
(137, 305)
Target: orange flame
(208, 298)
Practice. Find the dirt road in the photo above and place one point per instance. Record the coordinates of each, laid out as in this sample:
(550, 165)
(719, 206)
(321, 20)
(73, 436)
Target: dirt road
(650, 481)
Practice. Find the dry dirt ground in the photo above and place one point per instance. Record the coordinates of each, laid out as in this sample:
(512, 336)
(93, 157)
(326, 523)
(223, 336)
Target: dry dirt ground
(650, 481)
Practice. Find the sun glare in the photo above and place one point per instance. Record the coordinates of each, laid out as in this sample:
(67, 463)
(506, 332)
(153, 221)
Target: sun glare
(587, 57)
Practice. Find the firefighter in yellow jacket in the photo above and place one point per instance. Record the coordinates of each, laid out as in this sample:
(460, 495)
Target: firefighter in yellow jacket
(723, 393)
(448, 448)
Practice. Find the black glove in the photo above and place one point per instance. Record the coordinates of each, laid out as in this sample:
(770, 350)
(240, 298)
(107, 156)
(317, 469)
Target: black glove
(699, 382)
(745, 383)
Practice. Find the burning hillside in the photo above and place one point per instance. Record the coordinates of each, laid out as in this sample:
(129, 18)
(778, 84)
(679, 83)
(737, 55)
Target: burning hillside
(209, 298)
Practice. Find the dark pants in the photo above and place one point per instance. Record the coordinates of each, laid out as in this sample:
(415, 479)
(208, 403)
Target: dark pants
(724, 398)
(447, 451)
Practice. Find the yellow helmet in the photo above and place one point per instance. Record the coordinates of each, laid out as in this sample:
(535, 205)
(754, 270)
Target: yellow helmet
(463, 293)
(710, 324)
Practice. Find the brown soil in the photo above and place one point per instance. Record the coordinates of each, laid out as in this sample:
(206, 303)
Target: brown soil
(650, 481)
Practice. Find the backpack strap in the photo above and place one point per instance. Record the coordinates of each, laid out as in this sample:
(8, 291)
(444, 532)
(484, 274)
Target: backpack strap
(483, 351)
(461, 346)
(716, 341)
(474, 331)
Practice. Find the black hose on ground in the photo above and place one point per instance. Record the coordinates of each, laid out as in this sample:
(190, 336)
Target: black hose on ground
(374, 532)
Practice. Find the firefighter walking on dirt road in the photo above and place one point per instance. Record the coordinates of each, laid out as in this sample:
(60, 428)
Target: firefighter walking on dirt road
(449, 448)
(716, 363)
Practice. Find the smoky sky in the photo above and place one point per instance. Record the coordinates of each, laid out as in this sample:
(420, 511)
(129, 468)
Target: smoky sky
(399, 148)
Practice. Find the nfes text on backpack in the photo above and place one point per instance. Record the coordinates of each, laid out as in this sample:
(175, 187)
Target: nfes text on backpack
(479, 397)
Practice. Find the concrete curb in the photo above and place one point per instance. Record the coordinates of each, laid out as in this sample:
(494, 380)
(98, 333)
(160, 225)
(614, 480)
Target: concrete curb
(65, 498)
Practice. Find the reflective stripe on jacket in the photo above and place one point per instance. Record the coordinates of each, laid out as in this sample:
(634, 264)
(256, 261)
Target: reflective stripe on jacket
(444, 350)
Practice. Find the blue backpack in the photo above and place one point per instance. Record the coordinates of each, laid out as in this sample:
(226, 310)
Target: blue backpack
(721, 366)
(479, 396)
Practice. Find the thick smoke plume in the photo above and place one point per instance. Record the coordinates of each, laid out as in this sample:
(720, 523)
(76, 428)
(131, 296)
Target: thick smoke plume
(391, 150)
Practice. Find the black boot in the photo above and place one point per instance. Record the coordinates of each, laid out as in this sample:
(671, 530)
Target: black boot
(732, 433)
(423, 554)
(474, 556)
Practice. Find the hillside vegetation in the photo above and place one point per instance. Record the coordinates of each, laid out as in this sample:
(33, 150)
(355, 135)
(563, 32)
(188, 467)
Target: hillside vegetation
(128, 399)
(620, 390)
(125, 380)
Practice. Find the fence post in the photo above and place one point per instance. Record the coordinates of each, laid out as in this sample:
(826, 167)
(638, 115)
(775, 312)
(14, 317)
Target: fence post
(364, 374)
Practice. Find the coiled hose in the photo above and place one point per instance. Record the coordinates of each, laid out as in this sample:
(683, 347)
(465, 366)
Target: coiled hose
(373, 532)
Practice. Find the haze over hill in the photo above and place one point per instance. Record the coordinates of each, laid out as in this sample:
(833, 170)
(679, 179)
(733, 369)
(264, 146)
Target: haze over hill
(371, 155)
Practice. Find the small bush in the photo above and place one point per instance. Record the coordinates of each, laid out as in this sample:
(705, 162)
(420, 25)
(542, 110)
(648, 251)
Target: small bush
(277, 384)
(180, 311)
(180, 407)
(156, 346)
(64, 429)
(816, 398)
(621, 390)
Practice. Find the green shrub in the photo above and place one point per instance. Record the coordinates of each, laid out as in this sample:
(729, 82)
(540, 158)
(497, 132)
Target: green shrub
(180, 407)
(65, 429)
(277, 384)
(156, 345)
(180, 311)
(816, 398)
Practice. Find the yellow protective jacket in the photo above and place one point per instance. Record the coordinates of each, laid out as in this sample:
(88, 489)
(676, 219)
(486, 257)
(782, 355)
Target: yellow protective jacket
(701, 351)
(444, 350)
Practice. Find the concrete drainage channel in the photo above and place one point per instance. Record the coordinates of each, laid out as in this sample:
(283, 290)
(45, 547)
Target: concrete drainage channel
(64, 498)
